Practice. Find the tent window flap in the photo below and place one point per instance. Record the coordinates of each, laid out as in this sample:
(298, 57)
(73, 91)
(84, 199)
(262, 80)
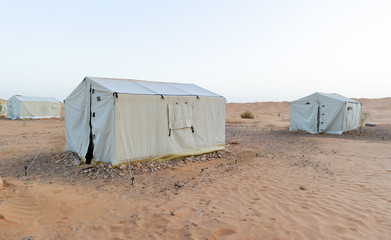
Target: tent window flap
(180, 115)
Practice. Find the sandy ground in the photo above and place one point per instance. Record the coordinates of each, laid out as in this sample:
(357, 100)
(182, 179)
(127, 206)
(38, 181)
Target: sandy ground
(345, 181)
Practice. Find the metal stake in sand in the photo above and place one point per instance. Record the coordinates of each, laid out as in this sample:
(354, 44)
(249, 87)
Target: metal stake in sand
(201, 170)
(132, 178)
(232, 156)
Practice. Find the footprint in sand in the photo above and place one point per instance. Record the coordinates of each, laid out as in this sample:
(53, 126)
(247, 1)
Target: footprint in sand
(55, 191)
(222, 233)
(270, 222)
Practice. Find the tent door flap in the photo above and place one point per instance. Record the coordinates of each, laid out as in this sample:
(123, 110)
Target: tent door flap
(318, 120)
(90, 151)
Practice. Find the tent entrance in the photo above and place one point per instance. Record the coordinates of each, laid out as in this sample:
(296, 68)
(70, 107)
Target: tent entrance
(318, 119)
(90, 151)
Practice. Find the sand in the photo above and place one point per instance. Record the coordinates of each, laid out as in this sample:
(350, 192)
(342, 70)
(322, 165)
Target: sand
(283, 186)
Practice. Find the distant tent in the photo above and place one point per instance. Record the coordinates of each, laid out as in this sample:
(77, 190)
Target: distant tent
(33, 107)
(120, 120)
(324, 112)
(3, 108)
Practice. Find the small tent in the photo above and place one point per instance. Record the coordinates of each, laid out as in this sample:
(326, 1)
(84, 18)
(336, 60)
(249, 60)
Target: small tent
(324, 112)
(120, 120)
(3, 108)
(33, 107)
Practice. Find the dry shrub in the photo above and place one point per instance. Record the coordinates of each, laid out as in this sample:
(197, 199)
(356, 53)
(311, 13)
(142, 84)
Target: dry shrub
(364, 116)
(247, 114)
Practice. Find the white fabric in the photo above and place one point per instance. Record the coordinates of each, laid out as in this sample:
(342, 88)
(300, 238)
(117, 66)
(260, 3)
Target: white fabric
(77, 115)
(35, 99)
(102, 121)
(180, 114)
(152, 88)
(141, 124)
(336, 114)
(3, 110)
(33, 107)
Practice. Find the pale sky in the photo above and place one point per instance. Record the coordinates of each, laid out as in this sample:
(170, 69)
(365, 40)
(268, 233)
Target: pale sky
(244, 50)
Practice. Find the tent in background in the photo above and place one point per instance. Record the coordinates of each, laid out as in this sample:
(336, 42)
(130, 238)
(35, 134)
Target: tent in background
(120, 120)
(324, 112)
(3, 108)
(33, 107)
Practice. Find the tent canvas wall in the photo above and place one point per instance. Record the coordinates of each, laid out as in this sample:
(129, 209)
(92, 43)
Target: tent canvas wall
(33, 107)
(120, 120)
(3, 108)
(324, 112)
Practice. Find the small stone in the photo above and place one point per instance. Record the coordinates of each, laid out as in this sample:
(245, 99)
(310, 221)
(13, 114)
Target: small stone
(110, 167)
(1, 183)
(172, 213)
(302, 188)
(203, 158)
(58, 161)
(178, 184)
(76, 162)
(29, 238)
(122, 167)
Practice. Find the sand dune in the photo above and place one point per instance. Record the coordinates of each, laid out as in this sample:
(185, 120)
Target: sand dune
(345, 181)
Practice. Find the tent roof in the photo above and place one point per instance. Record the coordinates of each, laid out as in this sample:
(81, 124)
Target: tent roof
(35, 99)
(335, 96)
(338, 97)
(131, 86)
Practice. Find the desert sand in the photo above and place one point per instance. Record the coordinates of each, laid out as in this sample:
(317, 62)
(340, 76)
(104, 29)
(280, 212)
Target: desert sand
(270, 184)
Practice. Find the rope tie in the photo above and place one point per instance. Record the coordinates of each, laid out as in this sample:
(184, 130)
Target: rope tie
(27, 168)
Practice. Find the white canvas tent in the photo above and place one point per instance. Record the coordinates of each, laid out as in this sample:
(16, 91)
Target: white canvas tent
(33, 107)
(3, 108)
(324, 112)
(121, 120)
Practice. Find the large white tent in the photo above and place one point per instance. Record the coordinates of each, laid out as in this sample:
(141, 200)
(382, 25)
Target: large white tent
(324, 112)
(121, 120)
(33, 107)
